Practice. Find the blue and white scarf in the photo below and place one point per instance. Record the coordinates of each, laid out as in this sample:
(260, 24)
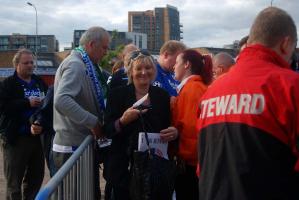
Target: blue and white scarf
(93, 77)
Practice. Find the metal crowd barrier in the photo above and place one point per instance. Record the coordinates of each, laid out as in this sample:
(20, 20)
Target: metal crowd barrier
(75, 179)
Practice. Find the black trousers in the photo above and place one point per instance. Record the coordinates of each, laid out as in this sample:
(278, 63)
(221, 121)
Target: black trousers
(23, 168)
(186, 184)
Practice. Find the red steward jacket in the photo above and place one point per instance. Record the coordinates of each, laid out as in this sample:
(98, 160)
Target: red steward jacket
(248, 126)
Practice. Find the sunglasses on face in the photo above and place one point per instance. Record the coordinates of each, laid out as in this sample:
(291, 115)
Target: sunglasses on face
(28, 62)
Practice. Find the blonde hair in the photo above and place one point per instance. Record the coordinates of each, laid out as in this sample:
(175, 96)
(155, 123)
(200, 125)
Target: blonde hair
(17, 56)
(127, 60)
(119, 64)
(128, 49)
(141, 60)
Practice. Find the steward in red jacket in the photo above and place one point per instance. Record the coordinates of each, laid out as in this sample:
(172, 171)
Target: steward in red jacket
(249, 120)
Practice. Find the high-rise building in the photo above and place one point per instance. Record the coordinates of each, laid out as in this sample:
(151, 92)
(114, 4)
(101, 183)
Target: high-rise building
(43, 43)
(160, 25)
(77, 36)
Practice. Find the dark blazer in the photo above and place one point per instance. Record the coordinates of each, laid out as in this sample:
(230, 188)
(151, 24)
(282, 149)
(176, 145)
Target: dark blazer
(118, 79)
(126, 141)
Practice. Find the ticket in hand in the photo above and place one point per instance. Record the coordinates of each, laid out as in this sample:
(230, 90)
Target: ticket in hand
(140, 101)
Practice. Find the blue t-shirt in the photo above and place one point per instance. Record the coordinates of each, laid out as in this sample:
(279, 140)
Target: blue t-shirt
(30, 90)
(166, 81)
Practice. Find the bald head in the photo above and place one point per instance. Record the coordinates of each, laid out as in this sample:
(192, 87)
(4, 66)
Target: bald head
(222, 63)
(271, 26)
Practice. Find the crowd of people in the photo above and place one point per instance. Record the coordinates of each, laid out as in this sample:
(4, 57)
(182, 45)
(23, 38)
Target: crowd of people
(230, 125)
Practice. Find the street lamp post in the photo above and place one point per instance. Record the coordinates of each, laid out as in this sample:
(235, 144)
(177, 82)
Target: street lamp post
(271, 2)
(36, 26)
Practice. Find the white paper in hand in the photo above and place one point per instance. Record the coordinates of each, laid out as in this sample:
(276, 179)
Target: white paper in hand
(140, 101)
(155, 142)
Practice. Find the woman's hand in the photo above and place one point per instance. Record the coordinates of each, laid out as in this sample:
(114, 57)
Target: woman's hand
(35, 102)
(130, 115)
(36, 128)
(169, 134)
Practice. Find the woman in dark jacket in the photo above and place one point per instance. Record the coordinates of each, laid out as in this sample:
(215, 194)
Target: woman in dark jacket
(123, 121)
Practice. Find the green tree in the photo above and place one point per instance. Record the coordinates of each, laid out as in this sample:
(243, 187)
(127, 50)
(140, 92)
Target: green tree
(111, 54)
(114, 34)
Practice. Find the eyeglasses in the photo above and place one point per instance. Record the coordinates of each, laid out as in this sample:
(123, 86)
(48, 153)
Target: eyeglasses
(28, 62)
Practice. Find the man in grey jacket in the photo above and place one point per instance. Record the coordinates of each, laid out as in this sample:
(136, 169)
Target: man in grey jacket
(79, 95)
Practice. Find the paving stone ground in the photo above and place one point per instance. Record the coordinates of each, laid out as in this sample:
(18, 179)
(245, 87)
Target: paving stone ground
(46, 179)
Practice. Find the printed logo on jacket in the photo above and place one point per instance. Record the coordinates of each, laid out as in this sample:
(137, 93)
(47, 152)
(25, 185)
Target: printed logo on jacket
(253, 104)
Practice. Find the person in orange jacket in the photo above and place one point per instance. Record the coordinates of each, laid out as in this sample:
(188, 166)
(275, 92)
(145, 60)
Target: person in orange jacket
(194, 71)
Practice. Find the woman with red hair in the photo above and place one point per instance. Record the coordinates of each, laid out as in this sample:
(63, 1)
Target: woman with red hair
(194, 71)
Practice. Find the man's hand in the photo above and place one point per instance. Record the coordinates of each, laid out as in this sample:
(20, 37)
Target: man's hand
(35, 101)
(97, 131)
(36, 128)
(169, 134)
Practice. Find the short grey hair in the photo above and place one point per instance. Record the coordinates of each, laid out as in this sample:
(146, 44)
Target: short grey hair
(17, 56)
(270, 26)
(95, 33)
(225, 59)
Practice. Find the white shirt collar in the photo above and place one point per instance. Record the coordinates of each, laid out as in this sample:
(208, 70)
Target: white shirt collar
(181, 85)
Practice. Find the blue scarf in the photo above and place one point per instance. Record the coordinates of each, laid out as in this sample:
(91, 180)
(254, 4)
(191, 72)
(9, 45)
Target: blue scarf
(93, 77)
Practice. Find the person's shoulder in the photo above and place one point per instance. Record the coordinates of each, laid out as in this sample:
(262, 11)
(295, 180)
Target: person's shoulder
(159, 91)
(195, 84)
(74, 59)
(39, 80)
(288, 75)
(9, 80)
(106, 74)
(121, 90)
(36, 77)
(118, 79)
(119, 74)
(281, 74)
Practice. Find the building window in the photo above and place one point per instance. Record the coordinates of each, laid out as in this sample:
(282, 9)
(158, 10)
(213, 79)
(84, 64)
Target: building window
(4, 47)
(4, 41)
(77, 34)
(140, 41)
(44, 48)
(44, 41)
(32, 47)
(31, 41)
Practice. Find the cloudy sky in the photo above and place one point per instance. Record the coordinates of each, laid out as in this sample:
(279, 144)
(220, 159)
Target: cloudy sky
(205, 22)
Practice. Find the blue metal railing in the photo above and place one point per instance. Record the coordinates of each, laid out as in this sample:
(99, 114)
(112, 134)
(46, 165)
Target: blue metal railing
(75, 179)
